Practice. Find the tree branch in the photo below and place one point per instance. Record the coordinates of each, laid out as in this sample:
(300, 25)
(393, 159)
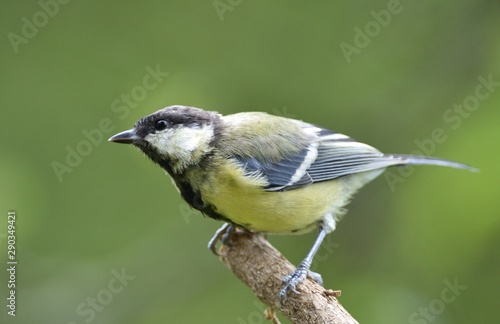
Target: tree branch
(261, 267)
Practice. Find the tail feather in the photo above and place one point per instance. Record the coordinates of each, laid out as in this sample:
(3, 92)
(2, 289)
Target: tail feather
(427, 160)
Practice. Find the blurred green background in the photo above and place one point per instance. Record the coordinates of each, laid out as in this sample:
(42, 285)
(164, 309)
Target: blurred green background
(103, 237)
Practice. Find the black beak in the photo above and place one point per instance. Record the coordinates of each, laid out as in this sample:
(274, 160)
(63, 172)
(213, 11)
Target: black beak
(126, 137)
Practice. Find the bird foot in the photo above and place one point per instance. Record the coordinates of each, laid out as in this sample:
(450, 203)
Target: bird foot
(221, 235)
(292, 280)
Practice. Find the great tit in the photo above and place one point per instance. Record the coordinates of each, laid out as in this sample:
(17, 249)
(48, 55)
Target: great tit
(263, 173)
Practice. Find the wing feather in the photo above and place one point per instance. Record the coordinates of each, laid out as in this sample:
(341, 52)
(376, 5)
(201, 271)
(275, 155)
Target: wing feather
(330, 155)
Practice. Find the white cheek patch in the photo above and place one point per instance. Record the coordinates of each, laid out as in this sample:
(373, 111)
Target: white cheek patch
(159, 140)
(181, 143)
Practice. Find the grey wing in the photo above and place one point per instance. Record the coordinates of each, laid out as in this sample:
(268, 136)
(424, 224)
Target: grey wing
(329, 156)
(340, 155)
(281, 175)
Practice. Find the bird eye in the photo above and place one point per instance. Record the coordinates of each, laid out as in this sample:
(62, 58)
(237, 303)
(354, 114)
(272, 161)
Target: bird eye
(161, 124)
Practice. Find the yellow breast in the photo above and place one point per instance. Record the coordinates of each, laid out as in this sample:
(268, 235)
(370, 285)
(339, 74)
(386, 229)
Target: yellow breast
(242, 200)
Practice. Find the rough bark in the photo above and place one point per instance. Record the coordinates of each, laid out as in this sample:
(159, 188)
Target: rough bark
(261, 267)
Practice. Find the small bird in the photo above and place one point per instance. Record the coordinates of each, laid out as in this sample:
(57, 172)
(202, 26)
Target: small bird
(261, 172)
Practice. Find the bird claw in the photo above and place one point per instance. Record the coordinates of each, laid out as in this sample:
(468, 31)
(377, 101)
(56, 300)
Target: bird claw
(221, 235)
(292, 280)
(316, 277)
